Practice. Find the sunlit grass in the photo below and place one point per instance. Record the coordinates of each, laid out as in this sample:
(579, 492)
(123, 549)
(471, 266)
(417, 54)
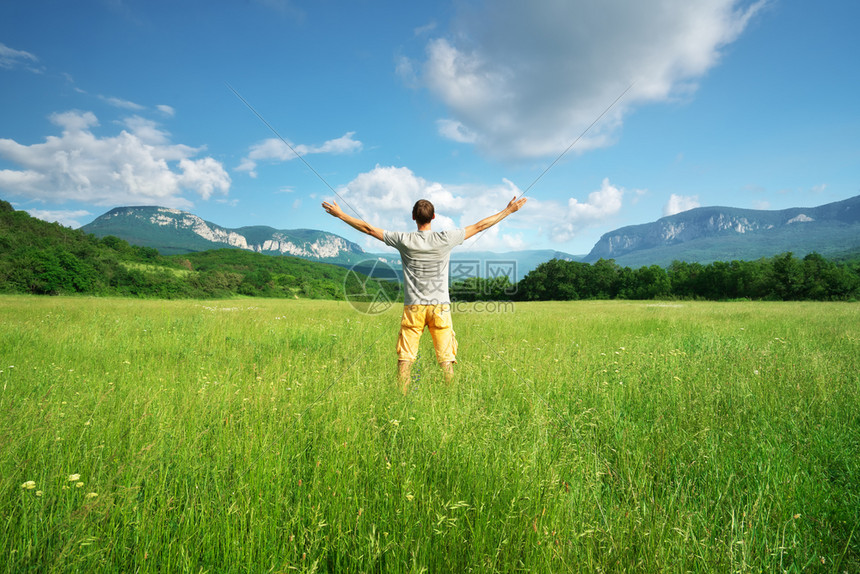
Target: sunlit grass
(260, 435)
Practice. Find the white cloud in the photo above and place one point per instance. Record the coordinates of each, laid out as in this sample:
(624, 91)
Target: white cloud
(527, 78)
(67, 217)
(166, 110)
(74, 120)
(679, 203)
(205, 176)
(343, 144)
(602, 204)
(454, 130)
(11, 180)
(514, 242)
(425, 29)
(147, 130)
(384, 197)
(138, 166)
(11, 59)
(122, 104)
(273, 149)
(406, 71)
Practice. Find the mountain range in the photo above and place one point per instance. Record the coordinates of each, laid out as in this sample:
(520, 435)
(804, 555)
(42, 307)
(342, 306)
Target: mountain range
(702, 235)
(708, 234)
(173, 231)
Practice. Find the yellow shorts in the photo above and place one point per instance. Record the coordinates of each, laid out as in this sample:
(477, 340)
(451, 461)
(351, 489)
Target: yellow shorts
(435, 317)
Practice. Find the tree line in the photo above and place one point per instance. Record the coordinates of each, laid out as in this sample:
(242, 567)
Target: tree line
(780, 278)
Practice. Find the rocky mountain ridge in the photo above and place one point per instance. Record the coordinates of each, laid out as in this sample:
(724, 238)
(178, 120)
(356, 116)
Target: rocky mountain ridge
(707, 234)
(175, 231)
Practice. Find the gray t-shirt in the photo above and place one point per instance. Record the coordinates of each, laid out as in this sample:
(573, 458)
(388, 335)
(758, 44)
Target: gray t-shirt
(425, 256)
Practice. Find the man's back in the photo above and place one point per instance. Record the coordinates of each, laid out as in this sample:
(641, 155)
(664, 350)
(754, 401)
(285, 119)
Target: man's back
(425, 256)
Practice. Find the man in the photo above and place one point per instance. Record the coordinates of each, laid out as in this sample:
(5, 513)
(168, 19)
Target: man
(426, 303)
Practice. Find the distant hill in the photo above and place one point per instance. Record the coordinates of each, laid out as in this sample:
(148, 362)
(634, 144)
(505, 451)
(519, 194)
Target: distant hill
(708, 234)
(173, 231)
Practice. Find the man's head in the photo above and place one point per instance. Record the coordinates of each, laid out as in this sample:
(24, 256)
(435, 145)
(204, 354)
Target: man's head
(422, 212)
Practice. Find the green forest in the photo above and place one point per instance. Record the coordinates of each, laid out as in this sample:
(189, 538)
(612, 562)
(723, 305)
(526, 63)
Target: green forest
(48, 259)
(43, 258)
(780, 278)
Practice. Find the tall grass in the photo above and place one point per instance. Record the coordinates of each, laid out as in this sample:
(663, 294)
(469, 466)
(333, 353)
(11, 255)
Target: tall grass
(260, 435)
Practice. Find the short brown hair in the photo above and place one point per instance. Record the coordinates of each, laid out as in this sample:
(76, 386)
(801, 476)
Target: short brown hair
(422, 212)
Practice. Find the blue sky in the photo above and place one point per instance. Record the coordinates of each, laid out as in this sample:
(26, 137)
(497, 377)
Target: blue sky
(742, 103)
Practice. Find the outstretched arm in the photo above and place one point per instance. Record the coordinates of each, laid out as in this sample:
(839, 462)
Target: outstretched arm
(334, 209)
(486, 223)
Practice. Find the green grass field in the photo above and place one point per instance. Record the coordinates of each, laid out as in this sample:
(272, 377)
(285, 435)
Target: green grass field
(270, 436)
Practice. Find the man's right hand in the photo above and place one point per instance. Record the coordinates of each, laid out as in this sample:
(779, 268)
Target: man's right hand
(515, 204)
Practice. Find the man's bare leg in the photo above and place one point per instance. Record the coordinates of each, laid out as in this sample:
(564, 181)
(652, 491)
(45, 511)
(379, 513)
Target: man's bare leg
(448, 369)
(404, 374)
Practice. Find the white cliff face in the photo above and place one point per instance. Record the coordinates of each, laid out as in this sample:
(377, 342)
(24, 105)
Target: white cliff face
(725, 223)
(736, 224)
(323, 246)
(672, 230)
(800, 219)
(328, 247)
(620, 242)
(181, 219)
(282, 247)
